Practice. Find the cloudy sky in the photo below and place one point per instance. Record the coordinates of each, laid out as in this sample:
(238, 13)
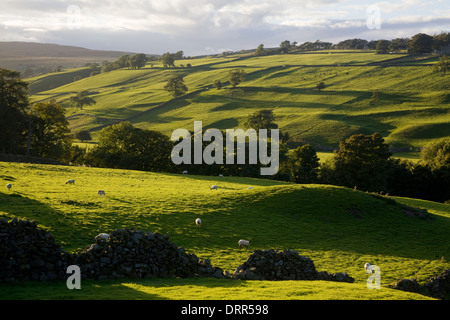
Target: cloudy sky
(203, 27)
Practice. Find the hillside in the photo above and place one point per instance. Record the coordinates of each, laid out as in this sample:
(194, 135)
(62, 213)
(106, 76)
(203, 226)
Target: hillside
(412, 107)
(24, 55)
(339, 229)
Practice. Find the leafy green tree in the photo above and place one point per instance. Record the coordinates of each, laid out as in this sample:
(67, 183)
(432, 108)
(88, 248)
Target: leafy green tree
(236, 76)
(168, 60)
(398, 44)
(137, 61)
(260, 50)
(383, 46)
(81, 99)
(304, 164)
(13, 112)
(175, 86)
(218, 84)
(362, 161)
(436, 154)
(83, 135)
(50, 133)
(442, 65)
(262, 119)
(124, 146)
(420, 43)
(320, 86)
(285, 46)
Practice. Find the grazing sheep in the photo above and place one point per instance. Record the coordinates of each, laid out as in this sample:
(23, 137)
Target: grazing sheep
(70, 181)
(198, 222)
(221, 176)
(368, 267)
(213, 187)
(185, 172)
(9, 186)
(101, 192)
(102, 236)
(243, 243)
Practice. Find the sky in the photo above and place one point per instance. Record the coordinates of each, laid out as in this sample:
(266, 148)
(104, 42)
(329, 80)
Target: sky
(200, 27)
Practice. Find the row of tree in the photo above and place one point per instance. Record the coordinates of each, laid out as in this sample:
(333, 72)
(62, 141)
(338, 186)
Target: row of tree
(419, 43)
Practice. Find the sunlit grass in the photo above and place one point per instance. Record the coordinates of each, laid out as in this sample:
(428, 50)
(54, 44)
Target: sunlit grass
(337, 228)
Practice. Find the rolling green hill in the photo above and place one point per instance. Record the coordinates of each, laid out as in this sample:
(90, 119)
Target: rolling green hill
(412, 107)
(338, 228)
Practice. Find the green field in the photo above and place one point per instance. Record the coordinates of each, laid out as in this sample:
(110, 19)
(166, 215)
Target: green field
(413, 106)
(337, 228)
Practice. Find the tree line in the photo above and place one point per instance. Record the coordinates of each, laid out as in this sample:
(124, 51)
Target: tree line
(417, 44)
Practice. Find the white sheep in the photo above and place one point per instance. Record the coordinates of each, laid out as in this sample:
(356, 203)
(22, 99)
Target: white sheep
(213, 187)
(101, 192)
(70, 181)
(243, 243)
(9, 186)
(368, 267)
(185, 172)
(198, 222)
(221, 176)
(102, 236)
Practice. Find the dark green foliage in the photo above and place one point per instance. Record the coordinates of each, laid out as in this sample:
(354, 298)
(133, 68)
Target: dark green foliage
(13, 106)
(175, 86)
(124, 146)
(304, 165)
(236, 77)
(362, 161)
(50, 135)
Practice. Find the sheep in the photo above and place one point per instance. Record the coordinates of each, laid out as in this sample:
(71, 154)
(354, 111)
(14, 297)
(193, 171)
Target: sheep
(70, 181)
(221, 176)
(198, 222)
(243, 243)
(213, 187)
(368, 267)
(9, 186)
(102, 236)
(101, 192)
(185, 172)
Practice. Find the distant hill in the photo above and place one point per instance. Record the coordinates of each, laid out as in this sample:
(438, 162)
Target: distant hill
(45, 57)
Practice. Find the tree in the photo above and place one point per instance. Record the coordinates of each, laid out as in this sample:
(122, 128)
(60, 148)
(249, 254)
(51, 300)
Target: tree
(383, 46)
(260, 50)
(82, 99)
(420, 43)
(83, 135)
(442, 65)
(49, 134)
(436, 154)
(362, 161)
(398, 44)
(168, 60)
(262, 119)
(285, 46)
(137, 61)
(320, 86)
(124, 146)
(175, 86)
(218, 84)
(236, 77)
(304, 164)
(178, 55)
(13, 112)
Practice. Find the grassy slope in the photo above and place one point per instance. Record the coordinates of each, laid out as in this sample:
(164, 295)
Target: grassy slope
(413, 108)
(337, 228)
